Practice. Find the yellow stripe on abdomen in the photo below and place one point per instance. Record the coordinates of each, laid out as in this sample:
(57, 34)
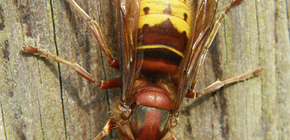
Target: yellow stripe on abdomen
(161, 47)
(177, 7)
(154, 19)
(154, 12)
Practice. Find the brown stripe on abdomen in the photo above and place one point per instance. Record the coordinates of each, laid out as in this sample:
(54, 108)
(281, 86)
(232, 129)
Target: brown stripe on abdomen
(164, 34)
(161, 54)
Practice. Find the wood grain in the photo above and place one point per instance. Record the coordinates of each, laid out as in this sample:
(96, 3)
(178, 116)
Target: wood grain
(40, 99)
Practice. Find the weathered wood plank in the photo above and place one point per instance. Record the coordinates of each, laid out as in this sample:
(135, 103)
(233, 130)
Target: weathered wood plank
(40, 99)
(30, 110)
(282, 73)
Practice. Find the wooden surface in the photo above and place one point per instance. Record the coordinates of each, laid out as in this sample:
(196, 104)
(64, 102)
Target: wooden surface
(40, 99)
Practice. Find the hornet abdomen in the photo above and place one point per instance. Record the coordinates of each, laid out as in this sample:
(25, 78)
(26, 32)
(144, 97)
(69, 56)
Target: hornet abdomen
(164, 28)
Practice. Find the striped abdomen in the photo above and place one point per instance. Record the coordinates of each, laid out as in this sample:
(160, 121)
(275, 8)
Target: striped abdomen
(164, 27)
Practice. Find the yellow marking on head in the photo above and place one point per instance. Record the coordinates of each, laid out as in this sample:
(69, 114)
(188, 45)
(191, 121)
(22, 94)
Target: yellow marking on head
(143, 47)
